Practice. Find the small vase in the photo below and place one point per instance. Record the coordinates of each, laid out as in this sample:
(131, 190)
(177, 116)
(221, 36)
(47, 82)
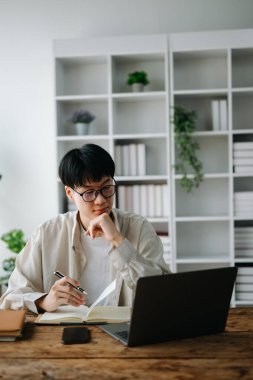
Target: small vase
(82, 128)
(137, 87)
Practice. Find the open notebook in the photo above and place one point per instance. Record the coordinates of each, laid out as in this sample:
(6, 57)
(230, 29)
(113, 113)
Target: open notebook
(92, 314)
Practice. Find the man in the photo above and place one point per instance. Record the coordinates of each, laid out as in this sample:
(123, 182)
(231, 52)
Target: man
(91, 246)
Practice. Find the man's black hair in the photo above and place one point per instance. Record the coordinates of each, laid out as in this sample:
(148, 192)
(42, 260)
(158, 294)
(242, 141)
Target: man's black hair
(88, 163)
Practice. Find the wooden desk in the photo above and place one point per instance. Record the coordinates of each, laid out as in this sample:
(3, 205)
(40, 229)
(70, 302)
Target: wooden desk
(41, 355)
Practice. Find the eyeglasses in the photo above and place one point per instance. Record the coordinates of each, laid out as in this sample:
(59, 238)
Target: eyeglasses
(90, 195)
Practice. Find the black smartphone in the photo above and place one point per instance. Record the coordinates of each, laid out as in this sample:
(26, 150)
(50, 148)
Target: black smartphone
(72, 335)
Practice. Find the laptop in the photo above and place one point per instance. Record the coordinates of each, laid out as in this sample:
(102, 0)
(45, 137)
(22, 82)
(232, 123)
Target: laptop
(177, 306)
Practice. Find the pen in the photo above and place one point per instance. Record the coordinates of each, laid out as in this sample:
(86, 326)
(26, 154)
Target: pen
(60, 275)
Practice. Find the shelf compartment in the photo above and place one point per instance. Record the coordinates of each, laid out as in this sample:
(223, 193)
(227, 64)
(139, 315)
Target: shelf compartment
(202, 104)
(242, 111)
(155, 153)
(135, 115)
(65, 110)
(244, 183)
(242, 64)
(203, 241)
(152, 64)
(213, 153)
(209, 199)
(200, 70)
(243, 205)
(81, 76)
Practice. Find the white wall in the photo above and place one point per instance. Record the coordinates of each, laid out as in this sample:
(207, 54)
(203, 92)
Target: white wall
(27, 28)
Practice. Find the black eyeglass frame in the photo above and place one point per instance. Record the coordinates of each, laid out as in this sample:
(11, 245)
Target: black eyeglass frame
(100, 191)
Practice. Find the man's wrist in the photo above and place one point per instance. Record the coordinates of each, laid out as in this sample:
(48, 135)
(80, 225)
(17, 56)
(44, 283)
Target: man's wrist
(117, 240)
(39, 303)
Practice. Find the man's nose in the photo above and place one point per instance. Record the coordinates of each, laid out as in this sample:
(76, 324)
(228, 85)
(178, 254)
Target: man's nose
(99, 198)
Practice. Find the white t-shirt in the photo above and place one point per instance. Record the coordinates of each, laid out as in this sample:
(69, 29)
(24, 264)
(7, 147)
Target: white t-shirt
(95, 277)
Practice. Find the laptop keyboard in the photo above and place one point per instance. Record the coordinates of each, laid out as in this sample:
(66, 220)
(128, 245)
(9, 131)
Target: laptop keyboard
(122, 334)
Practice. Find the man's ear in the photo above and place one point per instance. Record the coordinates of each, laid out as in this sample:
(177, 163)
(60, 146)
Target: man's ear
(69, 193)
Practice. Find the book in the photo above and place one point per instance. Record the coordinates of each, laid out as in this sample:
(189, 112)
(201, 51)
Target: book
(144, 200)
(244, 279)
(243, 195)
(118, 159)
(121, 196)
(158, 201)
(11, 324)
(244, 296)
(136, 199)
(243, 145)
(92, 314)
(245, 271)
(244, 287)
(98, 314)
(166, 204)
(243, 154)
(243, 161)
(223, 115)
(151, 200)
(125, 160)
(243, 169)
(133, 159)
(141, 159)
(215, 115)
(129, 198)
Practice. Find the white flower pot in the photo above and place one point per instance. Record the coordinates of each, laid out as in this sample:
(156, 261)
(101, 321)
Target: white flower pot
(82, 128)
(137, 87)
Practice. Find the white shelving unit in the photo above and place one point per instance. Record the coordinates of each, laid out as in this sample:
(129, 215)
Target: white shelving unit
(187, 69)
(92, 76)
(207, 67)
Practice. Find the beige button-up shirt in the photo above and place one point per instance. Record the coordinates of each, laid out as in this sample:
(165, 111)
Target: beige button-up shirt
(56, 245)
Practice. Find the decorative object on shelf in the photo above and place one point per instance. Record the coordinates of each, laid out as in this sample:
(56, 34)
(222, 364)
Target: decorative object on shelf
(138, 79)
(82, 119)
(15, 243)
(184, 125)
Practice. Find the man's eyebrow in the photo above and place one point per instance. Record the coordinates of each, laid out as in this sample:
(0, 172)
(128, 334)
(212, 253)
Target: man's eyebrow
(93, 185)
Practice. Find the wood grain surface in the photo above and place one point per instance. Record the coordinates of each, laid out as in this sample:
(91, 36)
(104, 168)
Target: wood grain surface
(41, 355)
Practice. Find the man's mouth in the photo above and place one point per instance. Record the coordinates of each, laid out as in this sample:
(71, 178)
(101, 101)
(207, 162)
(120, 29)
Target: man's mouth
(101, 210)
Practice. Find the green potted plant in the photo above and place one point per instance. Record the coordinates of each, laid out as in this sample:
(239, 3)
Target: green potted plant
(15, 243)
(82, 119)
(186, 147)
(137, 79)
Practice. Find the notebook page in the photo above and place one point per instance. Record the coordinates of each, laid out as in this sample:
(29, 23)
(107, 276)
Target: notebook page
(66, 312)
(108, 290)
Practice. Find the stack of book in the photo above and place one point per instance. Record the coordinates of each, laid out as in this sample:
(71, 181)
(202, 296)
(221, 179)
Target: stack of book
(11, 324)
(243, 157)
(130, 159)
(166, 247)
(219, 115)
(150, 200)
(244, 242)
(244, 284)
(243, 204)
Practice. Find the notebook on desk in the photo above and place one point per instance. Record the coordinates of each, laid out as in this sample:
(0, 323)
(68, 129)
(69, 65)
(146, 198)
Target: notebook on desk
(176, 306)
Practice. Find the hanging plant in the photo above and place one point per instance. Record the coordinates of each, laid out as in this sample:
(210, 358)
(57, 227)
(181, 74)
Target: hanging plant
(184, 125)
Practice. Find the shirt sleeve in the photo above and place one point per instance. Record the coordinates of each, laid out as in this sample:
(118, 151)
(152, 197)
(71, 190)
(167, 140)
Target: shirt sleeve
(25, 284)
(139, 256)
